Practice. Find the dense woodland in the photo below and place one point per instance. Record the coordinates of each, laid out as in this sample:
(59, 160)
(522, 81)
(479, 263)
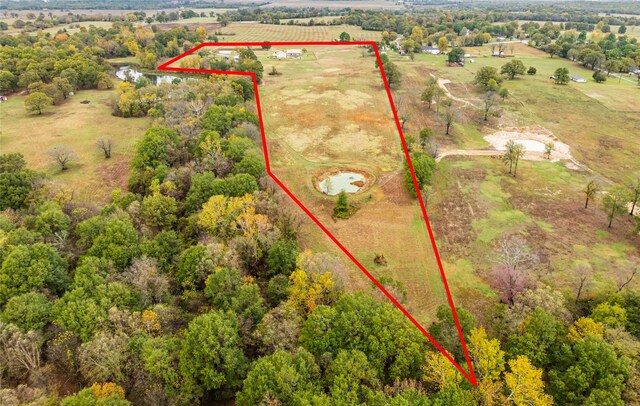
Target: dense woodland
(191, 287)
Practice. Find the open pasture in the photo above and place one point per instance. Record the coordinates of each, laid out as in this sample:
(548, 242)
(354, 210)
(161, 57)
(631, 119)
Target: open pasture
(476, 203)
(330, 110)
(599, 121)
(76, 126)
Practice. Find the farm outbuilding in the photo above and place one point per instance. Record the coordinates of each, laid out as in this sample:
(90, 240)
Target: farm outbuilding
(430, 50)
(294, 53)
(578, 79)
(279, 55)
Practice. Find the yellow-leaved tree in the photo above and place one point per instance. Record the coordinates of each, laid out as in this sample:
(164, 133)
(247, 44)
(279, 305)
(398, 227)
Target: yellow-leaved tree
(309, 289)
(525, 384)
(227, 217)
(584, 327)
(439, 372)
(488, 364)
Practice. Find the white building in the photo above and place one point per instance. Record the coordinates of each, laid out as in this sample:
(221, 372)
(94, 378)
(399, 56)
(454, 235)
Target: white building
(279, 55)
(294, 53)
(430, 50)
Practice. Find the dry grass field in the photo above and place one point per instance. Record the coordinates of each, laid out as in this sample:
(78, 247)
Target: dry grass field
(330, 110)
(251, 31)
(76, 126)
(475, 202)
(598, 120)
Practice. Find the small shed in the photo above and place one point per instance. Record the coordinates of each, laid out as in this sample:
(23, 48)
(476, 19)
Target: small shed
(430, 50)
(279, 55)
(294, 53)
(578, 79)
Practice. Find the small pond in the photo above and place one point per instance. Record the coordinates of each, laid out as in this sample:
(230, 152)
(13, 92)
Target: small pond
(132, 75)
(350, 182)
(529, 145)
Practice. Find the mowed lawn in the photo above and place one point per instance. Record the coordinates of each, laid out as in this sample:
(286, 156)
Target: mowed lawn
(330, 110)
(599, 121)
(76, 126)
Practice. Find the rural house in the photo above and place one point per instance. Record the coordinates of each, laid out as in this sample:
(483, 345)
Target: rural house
(279, 55)
(430, 50)
(294, 53)
(578, 79)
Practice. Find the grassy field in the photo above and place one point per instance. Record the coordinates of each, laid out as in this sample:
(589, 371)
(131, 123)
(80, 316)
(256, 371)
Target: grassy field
(598, 120)
(330, 110)
(76, 126)
(476, 203)
(251, 31)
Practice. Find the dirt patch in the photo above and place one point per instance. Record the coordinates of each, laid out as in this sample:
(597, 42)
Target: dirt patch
(534, 140)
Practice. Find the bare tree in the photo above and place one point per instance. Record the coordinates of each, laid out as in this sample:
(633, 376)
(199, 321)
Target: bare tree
(626, 274)
(509, 282)
(19, 352)
(105, 145)
(450, 116)
(514, 251)
(590, 191)
(63, 156)
(635, 194)
(583, 274)
(490, 99)
(513, 260)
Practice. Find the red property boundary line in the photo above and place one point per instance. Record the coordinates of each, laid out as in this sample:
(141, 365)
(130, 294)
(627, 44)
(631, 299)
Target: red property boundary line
(166, 67)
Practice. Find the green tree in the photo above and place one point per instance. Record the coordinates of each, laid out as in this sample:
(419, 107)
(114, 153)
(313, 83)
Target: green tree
(281, 377)
(15, 181)
(210, 357)
(155, 148)
(159, 210)
(342, 208)
(553, 49)
(542, 338)
(250, 164)
(281, 258)
(504, 93)
(29, 311)
(485, 75)
(455, 55)
(561, 76)
(599, 77)
(513, 68)
(615, 202)
(8, 81)
(423, 166)
(27, 267)
(532, 70)
(594, 373)
(345, 37)
(445, 331)
(351, 379)
(227, 290)
(114, 239)
(611, 315)
(37, 102)
(393, 347)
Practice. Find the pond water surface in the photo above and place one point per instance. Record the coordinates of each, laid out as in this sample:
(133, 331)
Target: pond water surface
(334, 184)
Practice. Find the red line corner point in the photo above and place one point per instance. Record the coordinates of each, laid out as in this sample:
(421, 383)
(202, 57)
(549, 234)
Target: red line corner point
(166, 67)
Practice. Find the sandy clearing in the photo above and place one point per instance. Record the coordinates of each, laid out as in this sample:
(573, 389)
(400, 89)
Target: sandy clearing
(533, 140)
